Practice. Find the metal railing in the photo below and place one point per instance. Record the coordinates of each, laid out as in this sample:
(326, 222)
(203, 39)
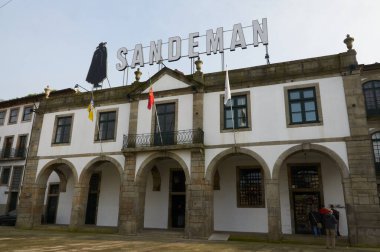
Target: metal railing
(181, 137)
(12, 153)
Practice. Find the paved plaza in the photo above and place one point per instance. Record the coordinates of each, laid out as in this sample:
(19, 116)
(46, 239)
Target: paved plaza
(12, 239)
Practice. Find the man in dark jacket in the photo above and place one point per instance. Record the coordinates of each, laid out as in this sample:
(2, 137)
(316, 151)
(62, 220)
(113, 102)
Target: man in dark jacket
(336, 215)
(330, 226)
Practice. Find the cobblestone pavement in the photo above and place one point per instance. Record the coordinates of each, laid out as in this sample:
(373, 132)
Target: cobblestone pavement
(12, 239)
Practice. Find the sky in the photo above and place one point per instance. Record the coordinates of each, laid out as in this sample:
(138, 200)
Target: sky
(45, 42)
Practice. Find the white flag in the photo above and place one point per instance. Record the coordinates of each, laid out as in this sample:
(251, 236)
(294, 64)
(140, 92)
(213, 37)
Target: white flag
(227, 91)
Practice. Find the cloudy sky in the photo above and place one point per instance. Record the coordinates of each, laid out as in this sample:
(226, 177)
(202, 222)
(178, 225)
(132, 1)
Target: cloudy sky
(46, 42)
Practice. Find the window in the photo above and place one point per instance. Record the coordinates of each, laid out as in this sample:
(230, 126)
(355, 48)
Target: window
(107, 123)
(21, 146)
(164, 131)
(16, 178)
(2, 117)
(302, 105)
(28, 112)
(63, 130)
(13, 116)
(5, 174)
(237, 115)
(371, 92)
(376, 151)
(7, 151)
(250, 189)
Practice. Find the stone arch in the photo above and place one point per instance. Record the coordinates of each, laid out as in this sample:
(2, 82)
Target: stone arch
(368, 79)
(343, 169)
(373, 131)
(63, 168)
(84, 176)
(210, 171)
(54, 165)
(143, 167)
(80, 199)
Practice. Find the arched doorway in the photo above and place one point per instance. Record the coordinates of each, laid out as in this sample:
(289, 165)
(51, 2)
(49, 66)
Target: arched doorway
(100, 191)
(162, 182)
(54, 189)
(310, 177)
(239, 178)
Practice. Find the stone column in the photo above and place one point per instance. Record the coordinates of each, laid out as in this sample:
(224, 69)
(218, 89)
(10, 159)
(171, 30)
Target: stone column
(199, 200)
(25, 208)
(362, 203)
(274, 212)
(38, 203)
(79, 206)
(129, 207)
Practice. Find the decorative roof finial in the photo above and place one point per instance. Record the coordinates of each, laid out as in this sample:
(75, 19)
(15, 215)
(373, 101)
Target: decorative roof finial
(348, 41)
(198, 64)
(47, 91)
(138, 74)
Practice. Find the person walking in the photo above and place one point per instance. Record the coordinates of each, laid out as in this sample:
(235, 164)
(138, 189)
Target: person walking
(315, 222)
(330, 226)
(336, 215)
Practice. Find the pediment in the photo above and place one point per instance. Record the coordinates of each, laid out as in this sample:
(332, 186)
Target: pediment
(167, 82)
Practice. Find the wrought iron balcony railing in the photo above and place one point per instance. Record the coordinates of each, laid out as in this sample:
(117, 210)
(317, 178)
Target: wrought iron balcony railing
(13, 153)
(181, 137)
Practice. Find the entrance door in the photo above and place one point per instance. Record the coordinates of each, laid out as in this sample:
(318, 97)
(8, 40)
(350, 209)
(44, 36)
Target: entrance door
(304, 203)
(305, 192)
(177, 198)
(164, 130)
(52, 203)
(92, 201)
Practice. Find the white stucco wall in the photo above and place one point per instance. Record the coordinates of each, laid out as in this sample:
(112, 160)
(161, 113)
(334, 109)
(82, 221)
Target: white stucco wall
(227, 215)
(166, 82)
(184, 113)
(19, 128)
(268, 114)
(157, 202)
(108, 205)
(83, 132)
(64, 200)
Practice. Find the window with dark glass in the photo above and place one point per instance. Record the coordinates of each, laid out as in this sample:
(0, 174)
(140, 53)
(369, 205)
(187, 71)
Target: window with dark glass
(13, 115)
(7, 150)
(303, 106)
(305, 177)
(237, 116)
(2, 117)
(107, 123)
(376, 151)
(27, 116)
(165, 126)
(371, 92)
(21, 146)
(63, 130)
(250, 192)
(5, 174)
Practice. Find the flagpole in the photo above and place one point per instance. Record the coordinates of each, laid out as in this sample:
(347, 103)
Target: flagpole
(158, 124)
(233, 122)
(155, 110)
(227, 98)
(96, 124)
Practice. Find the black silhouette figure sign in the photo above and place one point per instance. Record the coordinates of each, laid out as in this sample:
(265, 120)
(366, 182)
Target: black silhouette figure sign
(98, 68)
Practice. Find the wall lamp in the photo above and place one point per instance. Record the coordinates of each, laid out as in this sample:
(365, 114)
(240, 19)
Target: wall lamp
(77, 86)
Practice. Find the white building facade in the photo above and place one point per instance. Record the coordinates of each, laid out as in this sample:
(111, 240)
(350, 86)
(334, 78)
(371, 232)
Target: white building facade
(295, 139)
